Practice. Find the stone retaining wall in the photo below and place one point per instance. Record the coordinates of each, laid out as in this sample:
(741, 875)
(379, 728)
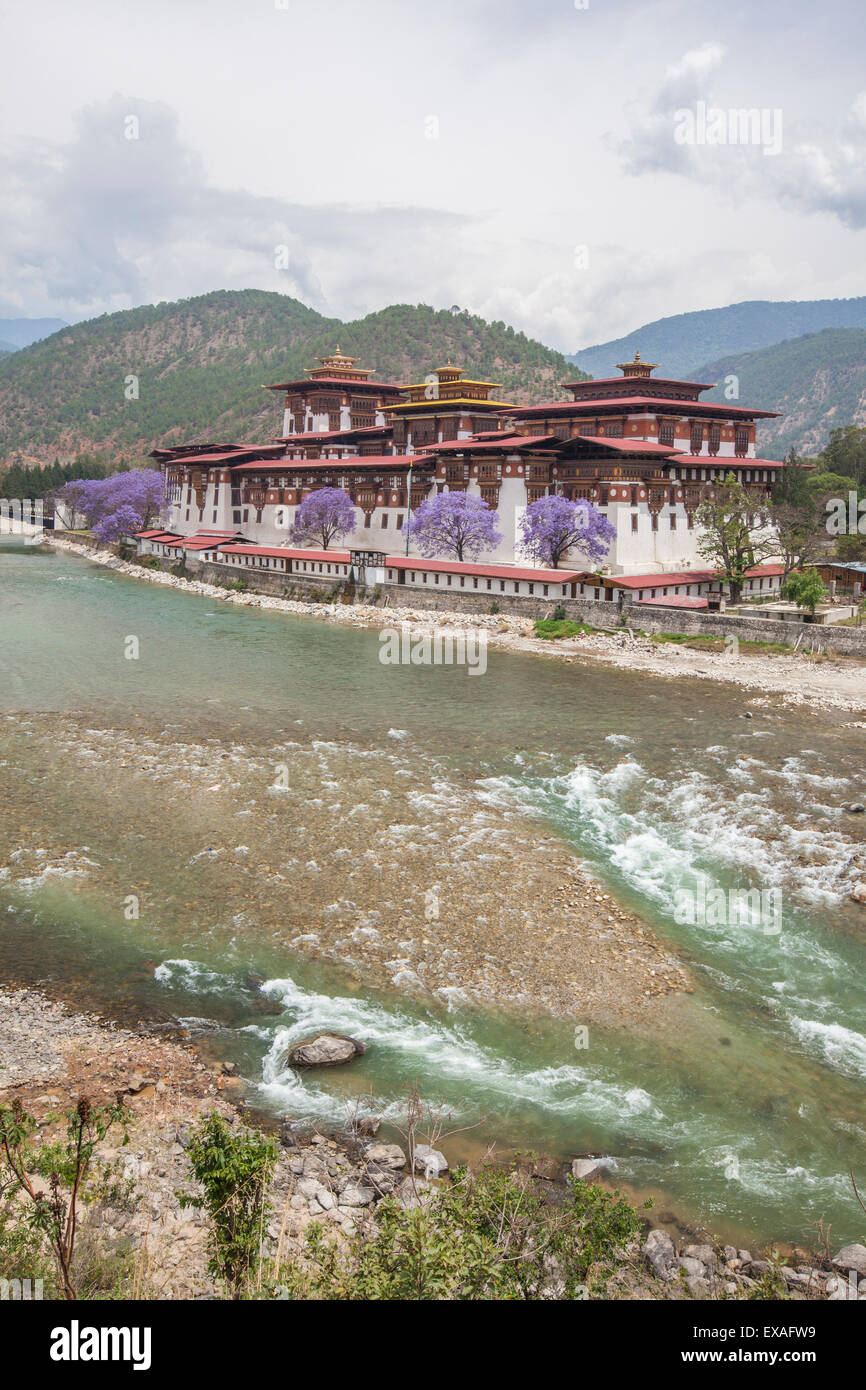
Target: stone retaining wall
(645, 617)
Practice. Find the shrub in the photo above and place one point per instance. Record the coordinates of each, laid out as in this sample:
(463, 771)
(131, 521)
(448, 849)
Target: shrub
(234, 1166)
(65, 1164)
(489, 1235)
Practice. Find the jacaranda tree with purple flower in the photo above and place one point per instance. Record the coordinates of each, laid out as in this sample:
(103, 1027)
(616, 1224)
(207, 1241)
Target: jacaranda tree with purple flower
(454, 524)
(118, 505)
(326, 515)
(551, 526)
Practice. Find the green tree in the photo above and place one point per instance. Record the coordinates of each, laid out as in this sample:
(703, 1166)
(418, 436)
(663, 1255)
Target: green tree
(846, 452)
(806, 589)
(736, 533)
(234, 1165)
(797, 515)
(64, 1164)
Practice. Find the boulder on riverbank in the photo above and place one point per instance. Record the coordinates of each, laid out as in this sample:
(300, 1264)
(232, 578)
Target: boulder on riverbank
(324, 1050)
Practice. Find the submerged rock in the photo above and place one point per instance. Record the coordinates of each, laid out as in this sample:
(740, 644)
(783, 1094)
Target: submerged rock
(324, 1050)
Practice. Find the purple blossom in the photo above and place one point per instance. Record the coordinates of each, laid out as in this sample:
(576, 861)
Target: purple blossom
(326, 515)
(115, 506)
(455, 524)
(551, 526)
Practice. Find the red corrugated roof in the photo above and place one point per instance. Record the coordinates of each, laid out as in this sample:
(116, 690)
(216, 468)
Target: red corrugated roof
(341, 557)
(350, 385)
(722, 461)
(313, 437)
(662, 581)
(622, 381)
(483, 571)
(633, 446)
(508, 442)
(630, 403)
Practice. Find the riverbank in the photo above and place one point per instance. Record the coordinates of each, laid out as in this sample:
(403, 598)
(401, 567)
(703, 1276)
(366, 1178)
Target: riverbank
(138, 1242)
(792, 679)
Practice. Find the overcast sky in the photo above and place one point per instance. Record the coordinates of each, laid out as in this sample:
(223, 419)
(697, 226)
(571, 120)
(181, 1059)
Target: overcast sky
(520, 159)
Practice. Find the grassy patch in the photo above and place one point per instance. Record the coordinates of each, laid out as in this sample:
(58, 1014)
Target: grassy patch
(554, 629)
(717, 644)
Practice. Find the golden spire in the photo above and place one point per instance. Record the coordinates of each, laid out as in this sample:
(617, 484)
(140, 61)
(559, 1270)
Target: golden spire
(636, 367)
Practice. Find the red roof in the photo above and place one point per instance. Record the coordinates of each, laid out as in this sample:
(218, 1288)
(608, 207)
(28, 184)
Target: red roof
(203, 540)
(675, 601)
(351, 385)
(663, 581)
(313, 437)
(633, 446)
(149, 535)
(586, 386)
(342, 557)
(484, 571)
(631, 403)
(476, 444)
(721, 460)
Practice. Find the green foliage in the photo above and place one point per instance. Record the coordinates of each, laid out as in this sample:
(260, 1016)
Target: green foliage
(24, 482)
(489, 1235)
(559, 613)
(24, 1253)
(851, 547)
(846, 452)
(805, 588)
(729, 538)
(831, 483)
(553, 629)
(201, 364)
(771, 1286)
(234, 1165)
(64, 1164)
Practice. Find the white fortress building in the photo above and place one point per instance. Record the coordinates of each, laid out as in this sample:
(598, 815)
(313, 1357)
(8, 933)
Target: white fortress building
(645, 450)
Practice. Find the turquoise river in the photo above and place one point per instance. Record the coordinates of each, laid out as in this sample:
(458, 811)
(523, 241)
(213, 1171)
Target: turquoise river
(194, 791)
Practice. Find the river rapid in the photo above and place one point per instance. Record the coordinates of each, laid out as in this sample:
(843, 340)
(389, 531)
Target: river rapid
(243, 819)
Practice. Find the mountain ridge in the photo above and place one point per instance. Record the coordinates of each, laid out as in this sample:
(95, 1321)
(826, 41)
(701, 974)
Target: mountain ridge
(199, 365)
(680, 341)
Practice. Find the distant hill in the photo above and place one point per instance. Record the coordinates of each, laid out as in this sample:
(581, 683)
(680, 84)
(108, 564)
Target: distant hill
(679, 342)
(20, 333)
(818, 381)
(201, 364)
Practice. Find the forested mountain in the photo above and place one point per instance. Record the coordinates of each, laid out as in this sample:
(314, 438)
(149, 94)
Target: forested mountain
(679, 343)
(200, 365)
(818, 382)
